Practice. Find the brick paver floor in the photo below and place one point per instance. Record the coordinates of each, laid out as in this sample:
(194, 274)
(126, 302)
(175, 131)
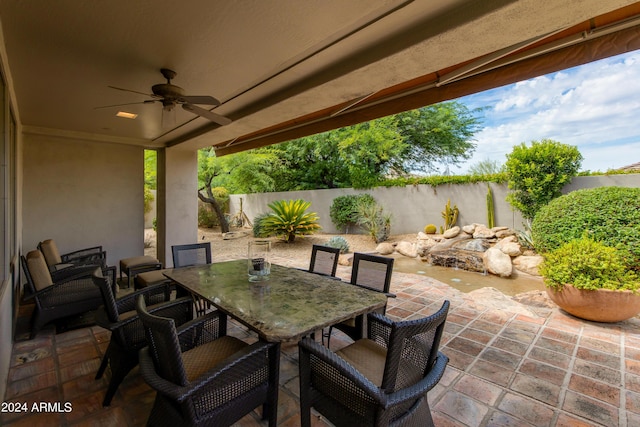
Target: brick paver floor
(509, 366)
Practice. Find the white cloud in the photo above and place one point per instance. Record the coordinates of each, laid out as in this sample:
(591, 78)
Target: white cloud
(594, 107)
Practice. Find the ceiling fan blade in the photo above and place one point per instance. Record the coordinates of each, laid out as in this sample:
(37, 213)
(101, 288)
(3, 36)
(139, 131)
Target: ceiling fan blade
(204, 100)
(148, 101)
(216, 118)
(134, 91)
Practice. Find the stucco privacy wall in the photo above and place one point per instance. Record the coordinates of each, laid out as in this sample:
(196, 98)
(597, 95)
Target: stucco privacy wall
(413, 207)
(83, 194)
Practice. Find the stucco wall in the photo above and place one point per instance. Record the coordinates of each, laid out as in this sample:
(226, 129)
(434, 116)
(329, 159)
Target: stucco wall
(83, 194)
(413, 207)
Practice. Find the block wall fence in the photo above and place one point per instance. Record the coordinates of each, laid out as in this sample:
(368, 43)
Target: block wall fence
(414, 206)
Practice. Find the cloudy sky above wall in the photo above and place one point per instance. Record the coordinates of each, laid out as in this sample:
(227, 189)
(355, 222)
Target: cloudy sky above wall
(595, 107)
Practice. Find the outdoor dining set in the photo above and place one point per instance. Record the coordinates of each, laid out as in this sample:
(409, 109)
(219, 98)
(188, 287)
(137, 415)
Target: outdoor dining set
(173, 324)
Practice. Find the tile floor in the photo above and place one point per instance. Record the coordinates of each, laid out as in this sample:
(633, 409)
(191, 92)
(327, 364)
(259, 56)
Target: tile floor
(535, 366)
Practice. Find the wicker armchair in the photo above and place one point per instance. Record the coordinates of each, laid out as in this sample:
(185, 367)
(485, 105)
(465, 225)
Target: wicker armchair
(378, 381)
(64, 293)
(127, 334)
(371, 272)
(204, 377)
(56, 261)
(324, 260)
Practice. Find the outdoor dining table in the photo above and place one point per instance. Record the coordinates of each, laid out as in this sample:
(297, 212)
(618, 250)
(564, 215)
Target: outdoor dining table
(291, 304)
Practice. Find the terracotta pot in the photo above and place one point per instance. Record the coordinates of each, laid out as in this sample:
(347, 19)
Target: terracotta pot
(601, 305)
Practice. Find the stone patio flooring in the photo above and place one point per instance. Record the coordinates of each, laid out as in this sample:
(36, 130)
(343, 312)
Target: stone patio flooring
(510, 365)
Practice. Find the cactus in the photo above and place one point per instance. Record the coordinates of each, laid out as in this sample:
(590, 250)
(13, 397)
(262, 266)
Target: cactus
(491, 221)
(430, 229)
(450, 215)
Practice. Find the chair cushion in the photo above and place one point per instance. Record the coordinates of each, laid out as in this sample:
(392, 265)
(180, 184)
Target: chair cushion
(367, 357)
(50, 251)
(127, 263)
(151, 278)
(38, 270)
(199, 360)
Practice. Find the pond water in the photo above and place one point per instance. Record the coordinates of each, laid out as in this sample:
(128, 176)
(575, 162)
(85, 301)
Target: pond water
(467, 281)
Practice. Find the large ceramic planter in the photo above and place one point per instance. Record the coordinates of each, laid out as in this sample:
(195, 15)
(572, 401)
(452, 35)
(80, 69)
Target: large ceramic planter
(601, 305)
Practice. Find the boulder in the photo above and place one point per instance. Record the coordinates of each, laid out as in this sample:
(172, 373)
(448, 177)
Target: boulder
(497, 262)
(501, 234)
(345, 259)
(424, 245)
(407, 249)
(464, 260)
(474, 245)
(384, 248)
(528, 264)
(512, 249)
(448, 243)
(451, 233)
(482, 232)
(469, 229)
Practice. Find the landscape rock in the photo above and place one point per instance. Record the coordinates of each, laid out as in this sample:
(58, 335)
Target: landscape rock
(385, 248)
(497, 262)
(424, 245)
(451, 233)
(345, 259)
(469, 229)
(453, 258)
(528, 264)
(407, 249)
(501, 234)
(512, 249)
(482, 232)
(474, 245)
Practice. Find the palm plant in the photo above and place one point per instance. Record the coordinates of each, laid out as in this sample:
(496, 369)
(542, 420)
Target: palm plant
(289, 219)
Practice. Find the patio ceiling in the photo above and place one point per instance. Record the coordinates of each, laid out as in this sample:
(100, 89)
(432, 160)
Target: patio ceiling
(283, 68)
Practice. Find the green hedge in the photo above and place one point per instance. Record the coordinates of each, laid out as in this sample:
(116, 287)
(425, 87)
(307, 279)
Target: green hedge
(607, 214)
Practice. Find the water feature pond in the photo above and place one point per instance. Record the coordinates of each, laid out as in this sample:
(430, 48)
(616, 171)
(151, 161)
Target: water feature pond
(467, 281)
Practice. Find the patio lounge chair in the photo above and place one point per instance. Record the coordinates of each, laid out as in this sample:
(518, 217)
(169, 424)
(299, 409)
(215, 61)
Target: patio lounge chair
(381, 380)
(60, 294)
(56, 261)
(127, 334)
(204, 377)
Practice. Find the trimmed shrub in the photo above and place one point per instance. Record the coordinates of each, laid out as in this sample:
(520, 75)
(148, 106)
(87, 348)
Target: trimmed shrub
(587, 264)
(537, 173)
(607, 214)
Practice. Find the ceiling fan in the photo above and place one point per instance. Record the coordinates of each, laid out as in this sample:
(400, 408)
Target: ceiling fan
(171, 95)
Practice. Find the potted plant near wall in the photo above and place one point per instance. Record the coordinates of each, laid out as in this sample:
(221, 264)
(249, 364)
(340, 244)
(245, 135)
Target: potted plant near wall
(592, 281)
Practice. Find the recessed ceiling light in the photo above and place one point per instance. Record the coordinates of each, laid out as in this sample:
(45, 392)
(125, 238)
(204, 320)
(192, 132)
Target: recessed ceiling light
(126, 115)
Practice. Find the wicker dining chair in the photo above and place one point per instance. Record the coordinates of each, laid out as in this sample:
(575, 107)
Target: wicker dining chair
(203, 376)
(371, 272)
(381, 380)
(59, 294)
(127, 334)
(324, 260)
(193, 254)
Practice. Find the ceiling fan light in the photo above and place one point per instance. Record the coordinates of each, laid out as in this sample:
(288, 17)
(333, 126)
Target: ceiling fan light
(126, 115)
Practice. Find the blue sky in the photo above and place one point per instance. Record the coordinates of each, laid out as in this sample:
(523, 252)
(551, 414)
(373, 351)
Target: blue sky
(594, 107)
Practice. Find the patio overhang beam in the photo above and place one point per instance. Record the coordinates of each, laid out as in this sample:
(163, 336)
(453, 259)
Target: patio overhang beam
(599, 38)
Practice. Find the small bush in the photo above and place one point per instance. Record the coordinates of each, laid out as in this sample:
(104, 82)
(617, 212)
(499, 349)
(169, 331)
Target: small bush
(587, 264)
(344, 209)
(372, 218)
(608, 214)
(289, 219)
(338, 242)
